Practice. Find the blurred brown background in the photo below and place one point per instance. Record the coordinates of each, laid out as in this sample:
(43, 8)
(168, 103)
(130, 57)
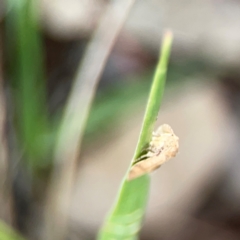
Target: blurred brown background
(197, 194)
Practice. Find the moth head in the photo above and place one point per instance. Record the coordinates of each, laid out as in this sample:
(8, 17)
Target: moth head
(165, 129)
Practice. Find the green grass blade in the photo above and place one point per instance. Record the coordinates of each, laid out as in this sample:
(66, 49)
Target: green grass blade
(155, 97)
(24, 45)
(125, 221)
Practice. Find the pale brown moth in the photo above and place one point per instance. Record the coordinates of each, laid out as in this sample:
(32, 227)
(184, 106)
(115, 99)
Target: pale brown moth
(163, 146)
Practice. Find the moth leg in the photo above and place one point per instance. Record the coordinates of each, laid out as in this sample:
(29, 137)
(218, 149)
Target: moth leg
(147, 155)
(159, 150)
(152, 151)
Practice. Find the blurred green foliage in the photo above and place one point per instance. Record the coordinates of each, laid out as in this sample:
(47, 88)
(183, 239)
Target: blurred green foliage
(26, 72)
(6, 233)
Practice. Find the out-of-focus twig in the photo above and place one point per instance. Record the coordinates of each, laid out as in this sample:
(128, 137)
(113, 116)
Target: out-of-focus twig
(5, 189)
(75, 117)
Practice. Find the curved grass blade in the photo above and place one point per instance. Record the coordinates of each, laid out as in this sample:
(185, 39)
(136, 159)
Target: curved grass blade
(125, 220)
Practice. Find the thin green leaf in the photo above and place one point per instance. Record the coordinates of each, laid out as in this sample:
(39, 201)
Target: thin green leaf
(26, 73)
(125, 221)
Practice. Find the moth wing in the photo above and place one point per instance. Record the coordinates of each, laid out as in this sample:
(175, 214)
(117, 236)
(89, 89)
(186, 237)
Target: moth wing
(146, 166)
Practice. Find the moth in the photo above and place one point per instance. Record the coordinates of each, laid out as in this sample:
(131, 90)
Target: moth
(163, 146)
